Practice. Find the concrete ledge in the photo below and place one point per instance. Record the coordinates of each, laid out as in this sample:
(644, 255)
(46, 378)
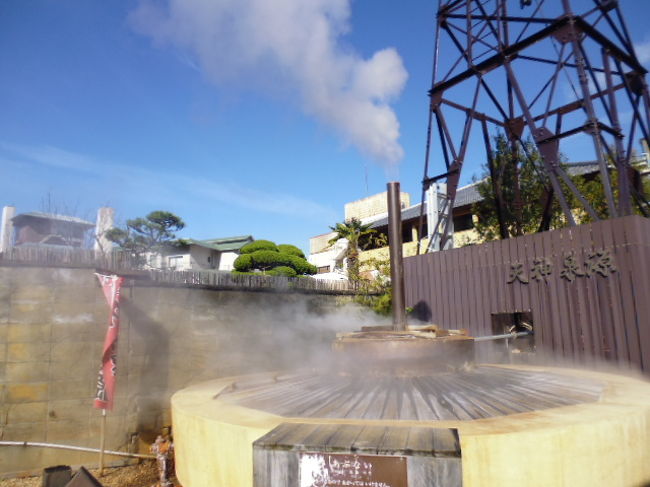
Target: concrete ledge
(603, 443)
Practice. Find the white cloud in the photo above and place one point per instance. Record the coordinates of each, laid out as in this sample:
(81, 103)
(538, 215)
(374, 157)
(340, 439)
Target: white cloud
(168, 186)
(49, 156)
(297, 42)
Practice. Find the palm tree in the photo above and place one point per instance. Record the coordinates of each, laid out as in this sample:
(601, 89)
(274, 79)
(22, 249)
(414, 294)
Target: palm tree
(353, 231)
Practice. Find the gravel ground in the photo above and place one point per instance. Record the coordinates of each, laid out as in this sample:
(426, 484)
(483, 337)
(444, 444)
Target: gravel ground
(143, 475)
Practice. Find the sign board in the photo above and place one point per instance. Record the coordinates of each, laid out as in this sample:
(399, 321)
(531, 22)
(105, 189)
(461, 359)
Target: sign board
(344, 470)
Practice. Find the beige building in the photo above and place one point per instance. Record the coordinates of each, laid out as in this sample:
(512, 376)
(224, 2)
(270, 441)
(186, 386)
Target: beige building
(369, 208)
(373, 210)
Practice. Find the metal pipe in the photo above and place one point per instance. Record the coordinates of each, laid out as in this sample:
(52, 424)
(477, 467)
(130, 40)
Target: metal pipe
(76, 448)
(517, 334)
(396, 261)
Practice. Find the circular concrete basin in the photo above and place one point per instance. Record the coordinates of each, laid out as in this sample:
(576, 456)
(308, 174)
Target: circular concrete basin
(517, 425)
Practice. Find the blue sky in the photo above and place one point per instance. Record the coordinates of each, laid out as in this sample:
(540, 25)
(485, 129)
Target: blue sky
(240, 124)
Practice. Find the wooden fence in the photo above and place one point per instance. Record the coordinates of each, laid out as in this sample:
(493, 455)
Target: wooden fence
(252, 282)
(119, 262)
(66, 257)
(586, 289)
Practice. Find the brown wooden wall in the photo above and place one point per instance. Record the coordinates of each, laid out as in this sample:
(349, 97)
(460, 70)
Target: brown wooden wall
(604, 313)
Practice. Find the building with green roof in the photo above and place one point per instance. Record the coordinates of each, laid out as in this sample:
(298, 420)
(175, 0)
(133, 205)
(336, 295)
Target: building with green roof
(211, 254)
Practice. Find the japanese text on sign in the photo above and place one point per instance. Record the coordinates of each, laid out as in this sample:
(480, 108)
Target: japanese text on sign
(340, 470)
(599, 262)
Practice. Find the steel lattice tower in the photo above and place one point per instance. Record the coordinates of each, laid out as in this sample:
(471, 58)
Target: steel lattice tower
(537, 70)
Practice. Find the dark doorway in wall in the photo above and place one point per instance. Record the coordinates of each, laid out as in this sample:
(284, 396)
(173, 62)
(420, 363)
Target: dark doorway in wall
(514, 350)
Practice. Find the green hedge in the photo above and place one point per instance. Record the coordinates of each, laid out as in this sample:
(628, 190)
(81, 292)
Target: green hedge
(301, 265)
(268, 259)
(283, 271)
(259, 245)
(243, 263)
(266, 256)
(291, 250)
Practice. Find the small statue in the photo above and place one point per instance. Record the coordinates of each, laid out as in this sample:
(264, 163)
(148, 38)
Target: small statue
(163, 448)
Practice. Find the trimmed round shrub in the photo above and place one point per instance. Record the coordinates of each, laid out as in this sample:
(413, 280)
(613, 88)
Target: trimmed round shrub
(268, 259)
(301, 265)
(258, 245)
(243, 263)
(291, 250)
(282, 271)
(265, 255)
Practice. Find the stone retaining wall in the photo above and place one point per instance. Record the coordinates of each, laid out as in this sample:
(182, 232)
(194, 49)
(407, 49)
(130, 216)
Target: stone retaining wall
(52, 327)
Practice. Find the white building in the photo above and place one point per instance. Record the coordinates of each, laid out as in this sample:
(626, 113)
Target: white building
(329, 259)
(373, 211)
(214, 254)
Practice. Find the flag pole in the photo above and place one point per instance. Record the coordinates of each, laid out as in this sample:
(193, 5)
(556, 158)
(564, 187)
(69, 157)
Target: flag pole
(102, 443)
(106, 381)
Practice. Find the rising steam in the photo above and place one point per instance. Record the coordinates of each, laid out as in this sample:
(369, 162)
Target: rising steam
(296, 43)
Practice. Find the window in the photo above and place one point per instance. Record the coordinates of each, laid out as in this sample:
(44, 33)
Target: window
(323, 269)
(407, 233)
(463, 222)
(425, 229)
(175, 261)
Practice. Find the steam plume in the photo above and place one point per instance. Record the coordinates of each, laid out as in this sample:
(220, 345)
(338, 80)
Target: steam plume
(297, 42)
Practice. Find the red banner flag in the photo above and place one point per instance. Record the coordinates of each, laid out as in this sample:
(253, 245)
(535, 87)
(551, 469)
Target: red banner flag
(106, 382)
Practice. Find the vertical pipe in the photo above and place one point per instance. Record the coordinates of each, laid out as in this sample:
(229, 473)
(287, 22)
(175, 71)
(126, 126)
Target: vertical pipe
(105, 221)
(396, 262)
(7, 228)
(102, 443)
